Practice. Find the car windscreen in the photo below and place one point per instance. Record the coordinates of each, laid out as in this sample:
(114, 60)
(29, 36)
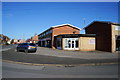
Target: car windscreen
(32, 44)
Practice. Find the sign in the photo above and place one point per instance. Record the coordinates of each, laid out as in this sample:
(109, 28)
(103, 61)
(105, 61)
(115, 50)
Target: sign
(48, 38)
(117, 28)
(91, 41)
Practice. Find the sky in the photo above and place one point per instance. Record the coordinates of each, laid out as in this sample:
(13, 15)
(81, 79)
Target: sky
(60, 0)
(21, 20)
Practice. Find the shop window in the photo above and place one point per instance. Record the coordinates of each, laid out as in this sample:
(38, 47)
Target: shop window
(72, 44)
(66, 43)
(76, 42)
(118, 43)
(69, 43)
(58, 42)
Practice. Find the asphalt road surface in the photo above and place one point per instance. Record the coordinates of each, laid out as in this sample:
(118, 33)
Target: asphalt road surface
(13, 70)
(12, 55)
(10, 70)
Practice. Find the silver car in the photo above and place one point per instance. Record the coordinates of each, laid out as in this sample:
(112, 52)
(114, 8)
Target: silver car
(26, 47)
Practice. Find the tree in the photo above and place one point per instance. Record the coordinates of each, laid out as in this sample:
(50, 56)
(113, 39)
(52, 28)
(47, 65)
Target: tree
(12, 41)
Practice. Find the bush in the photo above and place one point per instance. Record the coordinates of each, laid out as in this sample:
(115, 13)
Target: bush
(6, 44)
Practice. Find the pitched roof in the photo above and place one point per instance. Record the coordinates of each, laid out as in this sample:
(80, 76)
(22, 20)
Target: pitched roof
(66, 25)
(60, 26)
(107, 22)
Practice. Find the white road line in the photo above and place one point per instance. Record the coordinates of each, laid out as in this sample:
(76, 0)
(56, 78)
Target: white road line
(5, 49)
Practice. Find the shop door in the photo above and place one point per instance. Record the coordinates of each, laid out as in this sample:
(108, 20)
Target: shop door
(71, 44)
(118, 43)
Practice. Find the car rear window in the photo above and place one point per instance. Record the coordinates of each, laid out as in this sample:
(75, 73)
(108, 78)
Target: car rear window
(32, 44)
(25, 43)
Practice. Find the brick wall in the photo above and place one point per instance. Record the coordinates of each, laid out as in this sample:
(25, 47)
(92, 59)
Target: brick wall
(63, 30)
(103, 35)
(35, 38)
(85, 44)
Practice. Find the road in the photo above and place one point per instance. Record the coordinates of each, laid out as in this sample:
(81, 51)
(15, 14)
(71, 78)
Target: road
(11, 70)
(12, 55)
(6, 47)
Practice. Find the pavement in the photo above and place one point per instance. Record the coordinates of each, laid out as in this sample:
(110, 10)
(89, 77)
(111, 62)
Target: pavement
(76, 54)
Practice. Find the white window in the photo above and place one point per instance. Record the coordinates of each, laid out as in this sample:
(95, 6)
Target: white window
(66, 43)
(71, 44)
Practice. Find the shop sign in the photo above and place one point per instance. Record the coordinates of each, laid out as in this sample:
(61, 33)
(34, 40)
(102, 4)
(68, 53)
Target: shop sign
(117, 28)
(91, 41)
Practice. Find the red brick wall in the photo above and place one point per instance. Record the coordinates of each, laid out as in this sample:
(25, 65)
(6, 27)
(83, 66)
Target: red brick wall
(103, 35)
(63, 30)
(35, 38)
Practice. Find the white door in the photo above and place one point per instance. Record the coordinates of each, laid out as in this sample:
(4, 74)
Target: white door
(71, 44)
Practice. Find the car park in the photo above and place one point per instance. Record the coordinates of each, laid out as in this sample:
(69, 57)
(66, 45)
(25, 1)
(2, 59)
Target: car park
(26, 47)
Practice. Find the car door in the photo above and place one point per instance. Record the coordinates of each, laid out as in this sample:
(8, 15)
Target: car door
(20, 46)
(24, 46)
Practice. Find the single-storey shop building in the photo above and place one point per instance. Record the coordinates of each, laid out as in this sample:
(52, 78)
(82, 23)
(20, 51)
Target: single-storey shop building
(82, 42)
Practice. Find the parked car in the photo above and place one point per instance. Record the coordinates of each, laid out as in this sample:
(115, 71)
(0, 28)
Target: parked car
(37, 44)
(26, 47)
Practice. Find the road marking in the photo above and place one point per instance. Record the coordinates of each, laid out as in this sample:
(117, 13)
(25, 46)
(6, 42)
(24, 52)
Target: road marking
(5, 49)
(59, 65)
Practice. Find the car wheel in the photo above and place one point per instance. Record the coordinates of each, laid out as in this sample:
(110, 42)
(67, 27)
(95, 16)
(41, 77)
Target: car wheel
(18, 50)
(26, 51)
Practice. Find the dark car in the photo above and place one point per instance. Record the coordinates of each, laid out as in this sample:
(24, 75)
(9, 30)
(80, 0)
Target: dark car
(26, 47)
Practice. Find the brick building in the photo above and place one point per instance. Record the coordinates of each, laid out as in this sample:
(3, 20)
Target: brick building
(46, 38)
(20, 41)
(107, 35)
(34, 39)
(4, 39)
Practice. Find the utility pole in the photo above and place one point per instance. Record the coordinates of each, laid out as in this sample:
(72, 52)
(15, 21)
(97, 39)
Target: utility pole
(84, 21)
(23, 36)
